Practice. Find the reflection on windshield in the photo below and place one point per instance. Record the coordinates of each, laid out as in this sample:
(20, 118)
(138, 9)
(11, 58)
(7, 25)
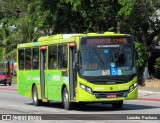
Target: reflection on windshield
(108, 61)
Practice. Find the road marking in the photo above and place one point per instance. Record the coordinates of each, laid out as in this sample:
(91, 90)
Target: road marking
(149, 99)
(9, 89)
(26, 108)
(148, 92)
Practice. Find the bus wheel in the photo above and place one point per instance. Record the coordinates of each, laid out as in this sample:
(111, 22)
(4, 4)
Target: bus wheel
(66, 103)
(5, 83)
(117, 105)
(35, 99)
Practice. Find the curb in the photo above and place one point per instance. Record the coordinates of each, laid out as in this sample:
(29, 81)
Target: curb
(149, 99)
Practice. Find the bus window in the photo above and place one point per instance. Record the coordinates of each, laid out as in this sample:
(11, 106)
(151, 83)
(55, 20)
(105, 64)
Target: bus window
(62, 56)
(35, 58)
(21, 58)
(28, 59)
(52, 57)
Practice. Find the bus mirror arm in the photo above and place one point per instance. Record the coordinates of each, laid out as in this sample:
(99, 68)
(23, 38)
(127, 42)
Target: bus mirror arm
(75, 60)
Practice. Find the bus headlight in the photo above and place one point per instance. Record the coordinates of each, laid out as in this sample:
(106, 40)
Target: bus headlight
(133, 87)
(86, 88)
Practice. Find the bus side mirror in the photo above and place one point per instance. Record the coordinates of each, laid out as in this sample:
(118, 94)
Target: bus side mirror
(75, 60)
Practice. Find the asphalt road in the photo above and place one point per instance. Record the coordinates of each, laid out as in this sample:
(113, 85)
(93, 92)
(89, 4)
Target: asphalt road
(147, 104)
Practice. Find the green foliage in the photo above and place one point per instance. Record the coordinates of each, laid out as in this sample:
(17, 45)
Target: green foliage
(127, 8)
(142, 57)
(12, 55)
(72, 16)
(2, 53)
(141, 17)
(7, 38)
(28, 31)
(143, 54)
(157, 68)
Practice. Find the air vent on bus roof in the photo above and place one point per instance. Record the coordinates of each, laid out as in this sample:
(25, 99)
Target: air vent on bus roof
(109, 33)
(92, 34)
(50, 38)
(69, 35)
(58, 36)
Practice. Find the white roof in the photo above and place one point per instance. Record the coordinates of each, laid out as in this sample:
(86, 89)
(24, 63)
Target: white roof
(69, 35)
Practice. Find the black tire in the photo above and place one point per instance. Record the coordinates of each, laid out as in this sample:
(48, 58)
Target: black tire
(45, 103)
(79, 105)
(5, 83)
(65, 98)
(117, 105)
(9, 84)
(35, 99)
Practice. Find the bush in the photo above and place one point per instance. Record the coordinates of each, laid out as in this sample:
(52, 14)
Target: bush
(157, 68)
(143, 56)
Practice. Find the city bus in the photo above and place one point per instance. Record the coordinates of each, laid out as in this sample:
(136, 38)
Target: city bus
(78, 69)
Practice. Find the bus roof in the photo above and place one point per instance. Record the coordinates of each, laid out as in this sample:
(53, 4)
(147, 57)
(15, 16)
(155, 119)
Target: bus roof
(59, 38)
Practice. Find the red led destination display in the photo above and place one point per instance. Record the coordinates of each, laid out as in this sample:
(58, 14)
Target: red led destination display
(107, 41)
(97, 41)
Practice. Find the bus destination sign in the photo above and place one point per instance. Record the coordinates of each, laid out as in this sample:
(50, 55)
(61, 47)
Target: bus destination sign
(98, 41)
(106, 41)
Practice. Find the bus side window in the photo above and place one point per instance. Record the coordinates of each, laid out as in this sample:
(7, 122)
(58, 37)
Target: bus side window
(62, 56)
(28, 59)
(35, 58)
(52, 57)
(21, 58)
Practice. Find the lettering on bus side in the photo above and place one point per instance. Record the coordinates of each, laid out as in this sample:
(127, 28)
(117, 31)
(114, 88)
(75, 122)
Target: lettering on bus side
(56, 77)
(98, 88)
(123, 87)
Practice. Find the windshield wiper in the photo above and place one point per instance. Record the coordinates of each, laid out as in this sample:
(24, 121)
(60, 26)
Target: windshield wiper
(102, 61)
(117, 56)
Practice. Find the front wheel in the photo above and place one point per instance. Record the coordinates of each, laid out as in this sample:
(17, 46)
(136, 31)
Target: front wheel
(9, 84)
(35, 99)
(65, 98)
(117, 105)
(5, 83)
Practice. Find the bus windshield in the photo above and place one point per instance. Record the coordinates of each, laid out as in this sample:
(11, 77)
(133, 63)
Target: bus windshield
(111, 61)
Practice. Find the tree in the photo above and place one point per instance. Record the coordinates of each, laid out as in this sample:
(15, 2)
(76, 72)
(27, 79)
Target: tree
(27, 30)
(96, 15)
(6, 38)
(142, 18)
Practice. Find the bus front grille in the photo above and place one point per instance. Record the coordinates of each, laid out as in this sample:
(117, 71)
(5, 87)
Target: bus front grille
(106, 94)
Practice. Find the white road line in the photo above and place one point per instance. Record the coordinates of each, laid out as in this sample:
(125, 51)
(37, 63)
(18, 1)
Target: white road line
(148, 92)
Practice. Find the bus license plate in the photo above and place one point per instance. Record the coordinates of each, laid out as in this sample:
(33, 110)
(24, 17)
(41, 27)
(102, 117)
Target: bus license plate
(111, 95)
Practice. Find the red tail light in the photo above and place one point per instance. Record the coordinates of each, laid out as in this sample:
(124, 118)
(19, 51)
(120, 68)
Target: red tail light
(73, 44)
(43, 47)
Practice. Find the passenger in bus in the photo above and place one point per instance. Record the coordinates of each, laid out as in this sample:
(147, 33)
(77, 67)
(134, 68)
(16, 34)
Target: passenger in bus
(28, 64)
(53, 64)
(35, 64)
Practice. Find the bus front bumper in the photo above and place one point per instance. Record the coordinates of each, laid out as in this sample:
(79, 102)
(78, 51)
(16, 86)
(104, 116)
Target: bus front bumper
(84, 96)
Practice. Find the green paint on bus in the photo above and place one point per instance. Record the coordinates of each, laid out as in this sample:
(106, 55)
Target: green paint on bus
(75, 68)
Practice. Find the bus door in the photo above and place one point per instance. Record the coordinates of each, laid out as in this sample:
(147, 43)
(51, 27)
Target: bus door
(43, 70)
(72, 69)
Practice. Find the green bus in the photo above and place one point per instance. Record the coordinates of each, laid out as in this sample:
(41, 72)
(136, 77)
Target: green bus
(78, 68)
